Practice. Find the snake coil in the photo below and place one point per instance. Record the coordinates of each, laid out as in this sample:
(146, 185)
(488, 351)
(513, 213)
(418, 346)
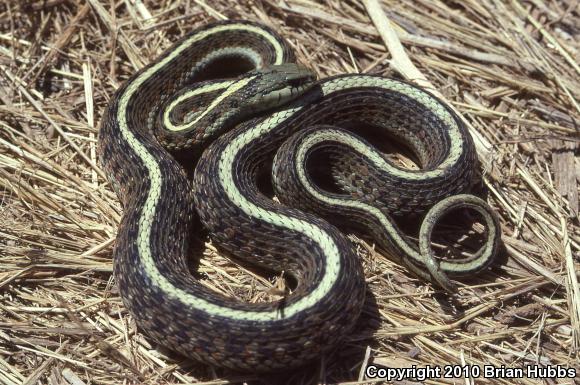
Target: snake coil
(196, 95)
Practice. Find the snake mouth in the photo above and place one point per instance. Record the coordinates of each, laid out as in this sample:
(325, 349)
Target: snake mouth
(292, 88)
(300, 85)
(285, 94)
(280, 84)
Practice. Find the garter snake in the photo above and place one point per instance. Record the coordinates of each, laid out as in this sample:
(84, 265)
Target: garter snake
(209, 93)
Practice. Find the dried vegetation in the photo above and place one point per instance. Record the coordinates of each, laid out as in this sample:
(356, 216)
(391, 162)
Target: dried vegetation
(510, 67)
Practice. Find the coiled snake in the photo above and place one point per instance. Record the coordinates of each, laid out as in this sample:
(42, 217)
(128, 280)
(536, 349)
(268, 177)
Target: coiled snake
(194, 97)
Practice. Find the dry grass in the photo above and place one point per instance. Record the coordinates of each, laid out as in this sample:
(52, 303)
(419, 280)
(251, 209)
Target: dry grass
(510, 67)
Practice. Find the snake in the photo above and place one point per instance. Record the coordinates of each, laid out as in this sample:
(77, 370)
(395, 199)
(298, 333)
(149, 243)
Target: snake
(230, 95)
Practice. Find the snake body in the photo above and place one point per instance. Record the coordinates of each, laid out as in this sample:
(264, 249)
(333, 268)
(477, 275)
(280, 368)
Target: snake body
(183, 100)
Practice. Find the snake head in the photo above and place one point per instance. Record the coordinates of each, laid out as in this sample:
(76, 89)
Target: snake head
(211, 107)
(275, 86)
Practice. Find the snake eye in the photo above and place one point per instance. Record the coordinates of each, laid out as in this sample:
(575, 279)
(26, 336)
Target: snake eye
(297, 82)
